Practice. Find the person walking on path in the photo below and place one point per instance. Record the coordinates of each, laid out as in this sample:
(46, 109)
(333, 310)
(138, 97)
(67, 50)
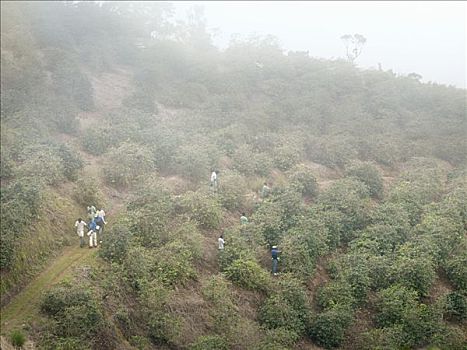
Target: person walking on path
(275, 259)
(79, 224)
(221, 242)
(92, 234)
(265, 191)
(100, 221)
(214, 182)
(91, 211)
(243, 219)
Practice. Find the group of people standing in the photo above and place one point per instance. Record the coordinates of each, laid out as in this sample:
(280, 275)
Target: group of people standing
(95, 226)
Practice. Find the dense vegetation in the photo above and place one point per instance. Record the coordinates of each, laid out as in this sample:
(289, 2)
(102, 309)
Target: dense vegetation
(374, 257)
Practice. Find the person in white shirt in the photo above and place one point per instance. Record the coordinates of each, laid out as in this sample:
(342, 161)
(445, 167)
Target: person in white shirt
(214, 180)
(221, 242)
(100, 221)
(79, 224)
(102, 215)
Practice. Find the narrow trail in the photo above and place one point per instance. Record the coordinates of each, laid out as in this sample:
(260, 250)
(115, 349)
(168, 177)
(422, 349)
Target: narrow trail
(23, 307)
(25, 304)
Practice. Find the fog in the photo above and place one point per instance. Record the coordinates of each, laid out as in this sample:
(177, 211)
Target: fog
(427, 38)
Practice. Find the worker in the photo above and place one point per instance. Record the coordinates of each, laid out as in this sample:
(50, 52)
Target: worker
(275, 259)
(93, 227)
(221, 242)
(79, 224)
(214, 182)
(243, 219)
(265, 191)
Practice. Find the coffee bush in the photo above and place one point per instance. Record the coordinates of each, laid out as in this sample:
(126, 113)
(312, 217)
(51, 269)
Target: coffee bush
(124, 164)
(370, 176)
(302, 180)
(248, 274)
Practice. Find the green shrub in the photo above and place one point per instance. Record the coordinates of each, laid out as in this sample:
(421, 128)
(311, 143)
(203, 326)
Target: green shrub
(387, 338)
(42, 162)
(162, 141)
(394, 303)
(97, 140)
(174, 264)
(456, 269)
(331, 223)
(139, 267)
(286, 156)
(163, 328)
(420, 325)
(209, 342)
(327, 328)
(20, 204)
(380, 269)
(75, 312)
(393, 215)
(349, 197)
(201, 207)
(416, 272)
(194, 161)
(267, 221)
(337, 292)
(218, 292)
(456, 306)
(64, 343)
(17, 338)
(417, 187)
(231, 137)
(249, 163)
(379, 239)
(276, 313)
(296, 257)
(332, 152)
(7, 250)
(275, 216)
(449, 337)
(248, 274)
(286, 309)
(216, 288)
(88, 192)
(314, 232)
(370, 176)
(115, 246)
(291, 205)
(124, 164)
(232, 191)
(445, 233)
(236, 247)
(63, 296)
(302, 180)
(149, 213)
(139, 342)
(72, 162)
(279, 339)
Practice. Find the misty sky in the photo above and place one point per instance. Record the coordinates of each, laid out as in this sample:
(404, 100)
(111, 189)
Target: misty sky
(428, 38)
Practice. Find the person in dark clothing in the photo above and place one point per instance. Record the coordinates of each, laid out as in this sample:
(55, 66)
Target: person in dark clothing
(275, 259)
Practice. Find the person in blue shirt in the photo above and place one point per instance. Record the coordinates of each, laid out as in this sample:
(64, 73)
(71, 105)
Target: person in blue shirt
(275, 259)
(92, 233)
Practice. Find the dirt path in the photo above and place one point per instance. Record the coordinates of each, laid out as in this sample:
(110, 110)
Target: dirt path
(25, 305)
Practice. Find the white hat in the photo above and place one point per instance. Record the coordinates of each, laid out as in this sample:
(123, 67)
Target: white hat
(274, 246)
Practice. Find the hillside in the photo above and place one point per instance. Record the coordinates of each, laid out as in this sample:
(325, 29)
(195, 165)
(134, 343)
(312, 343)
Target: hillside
(120, 107)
